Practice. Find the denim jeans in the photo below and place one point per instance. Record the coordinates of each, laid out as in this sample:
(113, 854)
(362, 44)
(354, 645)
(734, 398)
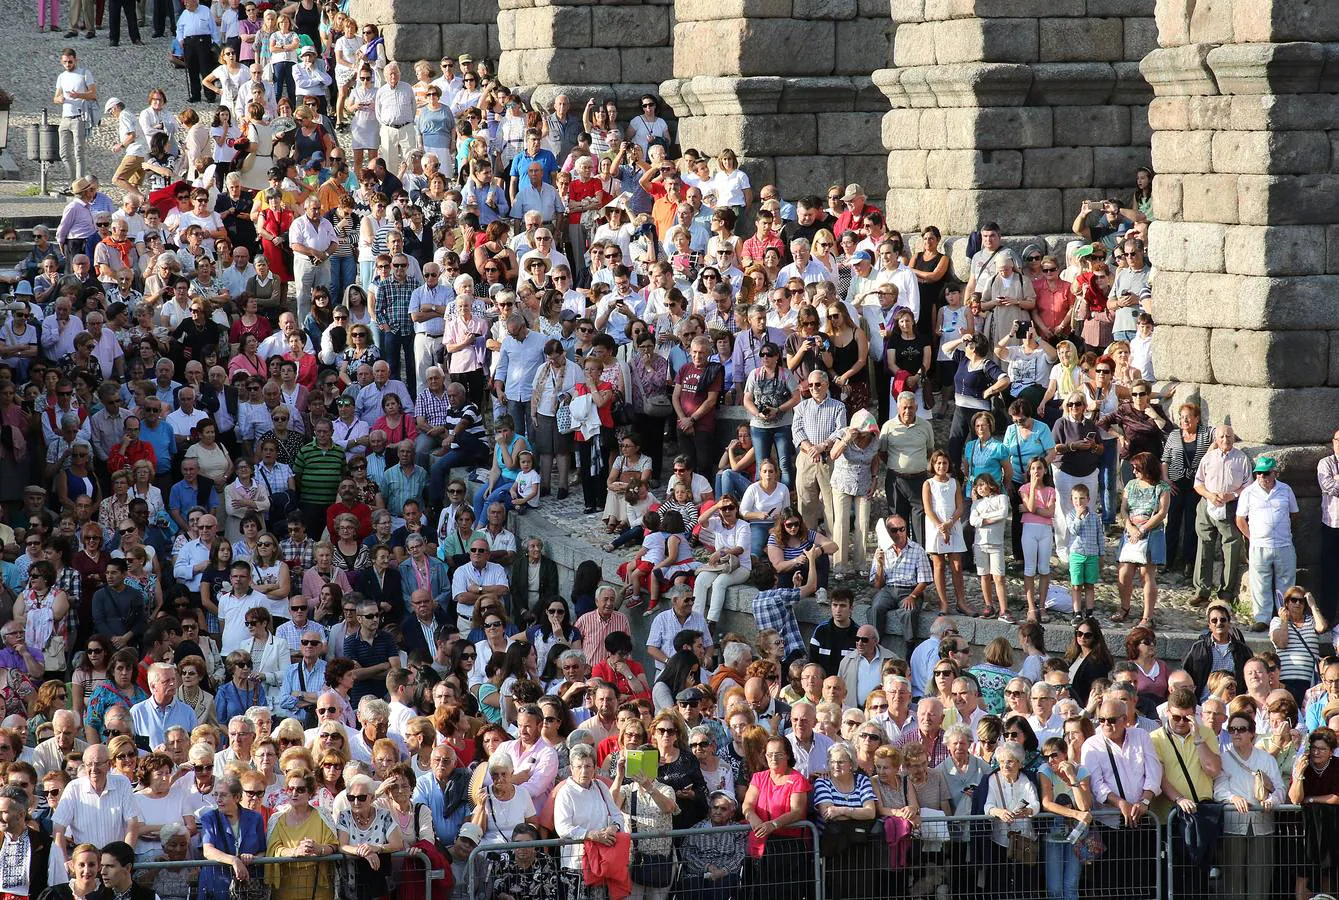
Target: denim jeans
(1270, 571)
(343, 272)
(470, 451)
(731, 482)
(761, 531)
(519, 410)
(1107, 482)
(1063, 870)
(764, 439)
(501, 492)
(394, 347)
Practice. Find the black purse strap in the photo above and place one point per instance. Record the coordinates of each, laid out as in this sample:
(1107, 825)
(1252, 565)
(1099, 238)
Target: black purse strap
(1120, 788)
(1171, 739)
(1297, 631)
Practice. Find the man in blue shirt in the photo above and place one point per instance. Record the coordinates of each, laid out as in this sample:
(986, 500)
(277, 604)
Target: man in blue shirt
(191, 491)
(445, 790)
(520, 164)
(304, 680)
(158, 434)
(162, 710)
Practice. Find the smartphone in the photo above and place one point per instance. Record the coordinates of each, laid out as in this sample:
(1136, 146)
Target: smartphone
(1021, 328)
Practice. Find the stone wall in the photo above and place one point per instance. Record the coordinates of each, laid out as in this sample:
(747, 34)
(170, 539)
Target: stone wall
(585, 49)
(1013, 110)
(1246, 145)
(426, 29)
(785, 84)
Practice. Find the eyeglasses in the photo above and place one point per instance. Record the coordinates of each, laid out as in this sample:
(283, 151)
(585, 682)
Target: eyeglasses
(465, 656)
(1239, 729)
(896, 529)
(943, 673)
(699, 745)
(201, 769)
(1049, 269)
(359, 798)
(1179, 718)
(870, 736)
(1219, 620)
(1014, 693)
(666, 731)
(863, 640)
(1054, 753)
(1138, 393)
(1109, 720)
(494, 624)
(1083, 634)
(306, 643)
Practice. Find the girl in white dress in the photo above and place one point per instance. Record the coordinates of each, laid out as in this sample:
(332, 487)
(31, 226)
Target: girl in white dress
(360, 107)
(944, 512)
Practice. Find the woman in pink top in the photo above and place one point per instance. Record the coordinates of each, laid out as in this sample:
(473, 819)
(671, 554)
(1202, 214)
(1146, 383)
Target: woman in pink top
(776, 800)
(463, 338)
(1037, 496)
(1054, 301)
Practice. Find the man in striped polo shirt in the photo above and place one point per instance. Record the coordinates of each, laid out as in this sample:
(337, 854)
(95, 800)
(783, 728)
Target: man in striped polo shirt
(319, 468)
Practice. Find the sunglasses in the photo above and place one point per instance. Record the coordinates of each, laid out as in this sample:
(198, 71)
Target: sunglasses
(1239, 729)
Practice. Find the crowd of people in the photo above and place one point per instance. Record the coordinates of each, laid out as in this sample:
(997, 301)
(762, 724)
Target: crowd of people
(264, 416)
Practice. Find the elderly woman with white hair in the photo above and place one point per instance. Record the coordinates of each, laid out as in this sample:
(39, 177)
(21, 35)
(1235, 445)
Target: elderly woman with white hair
(503, 807)
(846, 808)
(463, 340)
(1011, 799)
(648, 806)
(584, 811)
(366, 834)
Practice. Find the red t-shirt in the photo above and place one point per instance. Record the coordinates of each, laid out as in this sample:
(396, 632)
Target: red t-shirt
(688, 378)
(584, 190)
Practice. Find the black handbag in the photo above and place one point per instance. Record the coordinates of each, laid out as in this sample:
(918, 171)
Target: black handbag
(843, 834)
(1202, 830)
(651, 870)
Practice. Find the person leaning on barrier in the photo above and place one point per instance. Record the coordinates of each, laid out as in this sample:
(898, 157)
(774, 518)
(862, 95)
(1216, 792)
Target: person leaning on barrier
(524, 873)
(299, 832)
(1251, 785)
(712, 858)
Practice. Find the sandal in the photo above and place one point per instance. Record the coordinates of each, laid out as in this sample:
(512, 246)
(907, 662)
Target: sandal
(607, 547)
(1118, 618)
(1044, 617)
(965, 611)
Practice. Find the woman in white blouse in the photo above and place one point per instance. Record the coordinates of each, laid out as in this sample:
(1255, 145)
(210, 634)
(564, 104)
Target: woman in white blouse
(269, 655)
(583, 810)
(761, 502)
(1251, 785)
(1011, 800)
(730, 561)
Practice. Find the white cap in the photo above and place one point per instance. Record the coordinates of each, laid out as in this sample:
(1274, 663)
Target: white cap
(113, 102)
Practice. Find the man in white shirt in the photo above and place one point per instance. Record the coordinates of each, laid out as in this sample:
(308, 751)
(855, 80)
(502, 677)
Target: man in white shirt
(238, 271)
(130, 142)
(926, 654)
(185, 417)
(892, 270)
(805, 267)
(862, 671)
(394, 107)
(427, 308)
(277, 343)
(234, 606)
(514, 381)
(1044, 721)
(75, 91)
(680, 616)
(810, 747)
(401, 691)
(97, 807)
(476, 581)
(313, 240)
(1266, 512)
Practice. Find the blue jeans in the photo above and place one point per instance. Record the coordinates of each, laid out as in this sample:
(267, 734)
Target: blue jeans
(501, 492)
(1063, 870)
(731, 482)
(519, 410)
(761, 531)
(1106, 481)
(764, 439)
(343, 272)
(470, 451)
(283, 82)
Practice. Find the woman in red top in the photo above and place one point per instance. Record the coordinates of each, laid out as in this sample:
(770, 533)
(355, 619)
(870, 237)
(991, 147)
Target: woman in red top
(249, 322)
(586, 194)
(591, 450)
(394, 422)
(306, 361)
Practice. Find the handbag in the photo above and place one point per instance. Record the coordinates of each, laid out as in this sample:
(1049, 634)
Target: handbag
(562, 414)
(651, 870)
(658, 405)
(1134, 552)
(1022, 848)
(620, 410)
(1202, 830)
(254, 888)
(843, 834)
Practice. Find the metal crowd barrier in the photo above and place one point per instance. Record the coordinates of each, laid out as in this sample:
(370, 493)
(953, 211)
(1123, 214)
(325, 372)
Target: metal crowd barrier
(947, 858)
(290, 877)
(792, 872)
(1256, 866)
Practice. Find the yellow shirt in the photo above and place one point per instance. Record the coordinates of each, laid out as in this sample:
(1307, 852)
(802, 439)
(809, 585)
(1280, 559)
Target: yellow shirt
(1162, 740)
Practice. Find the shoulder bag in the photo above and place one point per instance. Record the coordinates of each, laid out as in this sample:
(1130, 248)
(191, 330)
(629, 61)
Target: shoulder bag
(1202, 830)
(1022, 848)
(650, 870)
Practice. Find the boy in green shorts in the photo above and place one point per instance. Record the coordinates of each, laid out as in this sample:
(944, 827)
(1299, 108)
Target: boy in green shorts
(1085, 552)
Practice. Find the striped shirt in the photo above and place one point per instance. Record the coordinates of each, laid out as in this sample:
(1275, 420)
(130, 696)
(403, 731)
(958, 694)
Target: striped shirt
(319, 472)
(595, 629)
(826, 792)
(817, 422)
(1174, 457)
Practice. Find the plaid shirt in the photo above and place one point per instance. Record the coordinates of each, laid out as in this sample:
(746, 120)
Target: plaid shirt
(1085, 533)
(298, 555)
(906, 569)
(71, 583)
(775, 609)
(432, 408)
(391, 302)
(817, 422)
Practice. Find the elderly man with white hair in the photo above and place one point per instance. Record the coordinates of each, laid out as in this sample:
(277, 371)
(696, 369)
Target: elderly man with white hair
(241, 738)
(597, 624)
(394, 107)
(163, 709)
(49, 755)
(862, 671)
(427, 308)
(804, 267)
(374, 715)
(96, 808)
(811, 748)
(198, 787)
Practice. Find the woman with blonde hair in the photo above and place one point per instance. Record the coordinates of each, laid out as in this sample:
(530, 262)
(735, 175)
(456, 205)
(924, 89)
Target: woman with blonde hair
(298, 833)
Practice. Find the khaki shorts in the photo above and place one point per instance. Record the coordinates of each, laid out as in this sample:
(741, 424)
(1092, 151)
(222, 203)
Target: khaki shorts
(131, 169)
